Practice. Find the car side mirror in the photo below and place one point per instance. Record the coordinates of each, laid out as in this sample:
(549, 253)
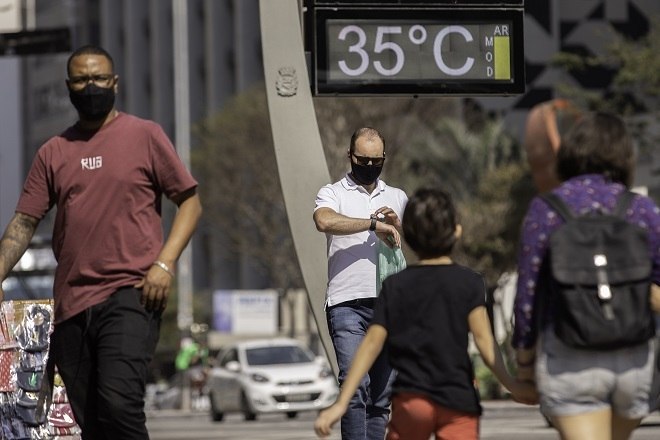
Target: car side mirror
(233, 366)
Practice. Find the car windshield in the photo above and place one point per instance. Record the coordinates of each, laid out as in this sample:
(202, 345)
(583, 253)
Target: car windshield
(277, 355)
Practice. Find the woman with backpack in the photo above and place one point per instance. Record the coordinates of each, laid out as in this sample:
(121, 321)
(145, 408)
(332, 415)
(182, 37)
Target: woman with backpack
(591, 384)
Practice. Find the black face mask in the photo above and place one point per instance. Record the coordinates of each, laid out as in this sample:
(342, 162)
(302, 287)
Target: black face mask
(93, 102)
(365, 174)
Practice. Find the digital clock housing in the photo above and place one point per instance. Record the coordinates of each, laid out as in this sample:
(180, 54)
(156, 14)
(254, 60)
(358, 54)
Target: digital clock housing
(424, 50)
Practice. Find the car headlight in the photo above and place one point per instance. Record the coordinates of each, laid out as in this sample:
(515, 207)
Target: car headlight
(258, 377)
(325, 372)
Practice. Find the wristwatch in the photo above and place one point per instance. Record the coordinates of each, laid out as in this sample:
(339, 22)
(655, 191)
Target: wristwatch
(374, 219)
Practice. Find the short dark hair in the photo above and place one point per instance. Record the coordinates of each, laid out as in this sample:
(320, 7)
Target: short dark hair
(598, 143)
(89, 49)
(367, 132)
(429, 223)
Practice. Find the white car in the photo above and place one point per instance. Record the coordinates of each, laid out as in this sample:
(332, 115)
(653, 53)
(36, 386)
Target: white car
(276, 375)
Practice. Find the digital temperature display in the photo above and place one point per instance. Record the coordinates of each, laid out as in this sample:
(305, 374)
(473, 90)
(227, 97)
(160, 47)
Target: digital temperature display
(404, 51)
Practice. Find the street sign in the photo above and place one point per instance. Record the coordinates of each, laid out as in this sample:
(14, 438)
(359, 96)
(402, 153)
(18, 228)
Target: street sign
(35, 42)
(427, 49)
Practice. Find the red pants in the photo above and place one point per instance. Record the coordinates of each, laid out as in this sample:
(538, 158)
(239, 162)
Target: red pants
(415, 417)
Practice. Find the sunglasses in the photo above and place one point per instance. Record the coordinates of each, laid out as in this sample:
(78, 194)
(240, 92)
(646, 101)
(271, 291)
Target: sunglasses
(101, 80)
(364, 160)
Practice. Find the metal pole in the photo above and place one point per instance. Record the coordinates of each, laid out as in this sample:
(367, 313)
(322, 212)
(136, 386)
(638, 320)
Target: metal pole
(30, 15)
(182, 142)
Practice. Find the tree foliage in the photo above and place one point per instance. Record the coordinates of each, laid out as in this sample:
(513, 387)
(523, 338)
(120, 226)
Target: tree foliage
(240, 190)
(404, 122)
(440, 142)
(483, 167)
(492, 218)
(638, 66)
(634, 91)
(428, 143)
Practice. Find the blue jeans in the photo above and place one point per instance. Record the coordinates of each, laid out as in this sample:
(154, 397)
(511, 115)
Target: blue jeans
(369, 409)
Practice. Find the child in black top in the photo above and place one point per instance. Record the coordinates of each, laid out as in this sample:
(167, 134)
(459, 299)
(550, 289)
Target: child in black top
(424, 314)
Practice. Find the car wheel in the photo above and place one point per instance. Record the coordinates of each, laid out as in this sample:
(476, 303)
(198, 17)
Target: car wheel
(216, 414)
(291, 415)
(248, 415)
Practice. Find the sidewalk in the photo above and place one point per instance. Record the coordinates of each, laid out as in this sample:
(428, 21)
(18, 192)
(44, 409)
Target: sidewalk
(498, 405)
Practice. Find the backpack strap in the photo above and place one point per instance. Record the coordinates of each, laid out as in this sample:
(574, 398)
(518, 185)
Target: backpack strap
(557, 204)
(625, 199)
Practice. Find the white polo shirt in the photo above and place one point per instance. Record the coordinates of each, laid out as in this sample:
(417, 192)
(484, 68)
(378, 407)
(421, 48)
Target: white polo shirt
(352, 258)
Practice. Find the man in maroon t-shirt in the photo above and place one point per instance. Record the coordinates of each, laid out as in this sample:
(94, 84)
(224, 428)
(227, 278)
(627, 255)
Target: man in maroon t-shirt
(106, 175)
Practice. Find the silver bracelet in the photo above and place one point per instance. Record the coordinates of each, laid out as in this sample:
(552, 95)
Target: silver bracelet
(163, 266)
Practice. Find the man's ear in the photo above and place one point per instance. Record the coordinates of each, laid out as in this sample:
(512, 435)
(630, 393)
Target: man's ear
(458, 232)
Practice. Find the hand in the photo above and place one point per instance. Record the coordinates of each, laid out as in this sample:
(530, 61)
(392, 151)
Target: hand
(387, 215)
(155, 289)
(326, 419)
(525, 392)
(388, 234)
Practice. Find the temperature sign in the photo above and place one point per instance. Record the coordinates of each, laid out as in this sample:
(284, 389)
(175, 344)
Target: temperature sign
(396, 54)
(418, 51)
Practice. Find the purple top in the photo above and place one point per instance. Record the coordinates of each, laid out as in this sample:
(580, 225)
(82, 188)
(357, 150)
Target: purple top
(582, 194)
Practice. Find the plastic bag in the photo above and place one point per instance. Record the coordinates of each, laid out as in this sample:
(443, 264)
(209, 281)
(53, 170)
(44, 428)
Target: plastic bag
(389, 261)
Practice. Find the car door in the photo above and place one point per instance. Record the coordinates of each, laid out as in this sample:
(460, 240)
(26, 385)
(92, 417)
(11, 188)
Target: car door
(226, 385)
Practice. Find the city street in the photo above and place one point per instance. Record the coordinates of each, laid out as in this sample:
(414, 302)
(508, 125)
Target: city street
(502, 420)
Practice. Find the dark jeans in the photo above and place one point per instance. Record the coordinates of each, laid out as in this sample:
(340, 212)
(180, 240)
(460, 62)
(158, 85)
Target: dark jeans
(369, 409)
(102, 355)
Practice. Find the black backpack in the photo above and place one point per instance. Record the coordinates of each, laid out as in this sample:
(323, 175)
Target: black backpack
(599, 272)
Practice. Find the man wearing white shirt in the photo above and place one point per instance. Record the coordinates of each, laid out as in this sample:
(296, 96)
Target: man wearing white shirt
(355, 213)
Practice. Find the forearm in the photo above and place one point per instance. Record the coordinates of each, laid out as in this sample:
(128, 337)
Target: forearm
(15, 241)
(487, 345)
(526, 364)
(655, 298)
(331, 222)
(531, 254)
(183, 227)
(492, 357)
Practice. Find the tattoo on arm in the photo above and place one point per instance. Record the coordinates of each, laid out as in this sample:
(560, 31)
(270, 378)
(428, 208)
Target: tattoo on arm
(15, 241)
